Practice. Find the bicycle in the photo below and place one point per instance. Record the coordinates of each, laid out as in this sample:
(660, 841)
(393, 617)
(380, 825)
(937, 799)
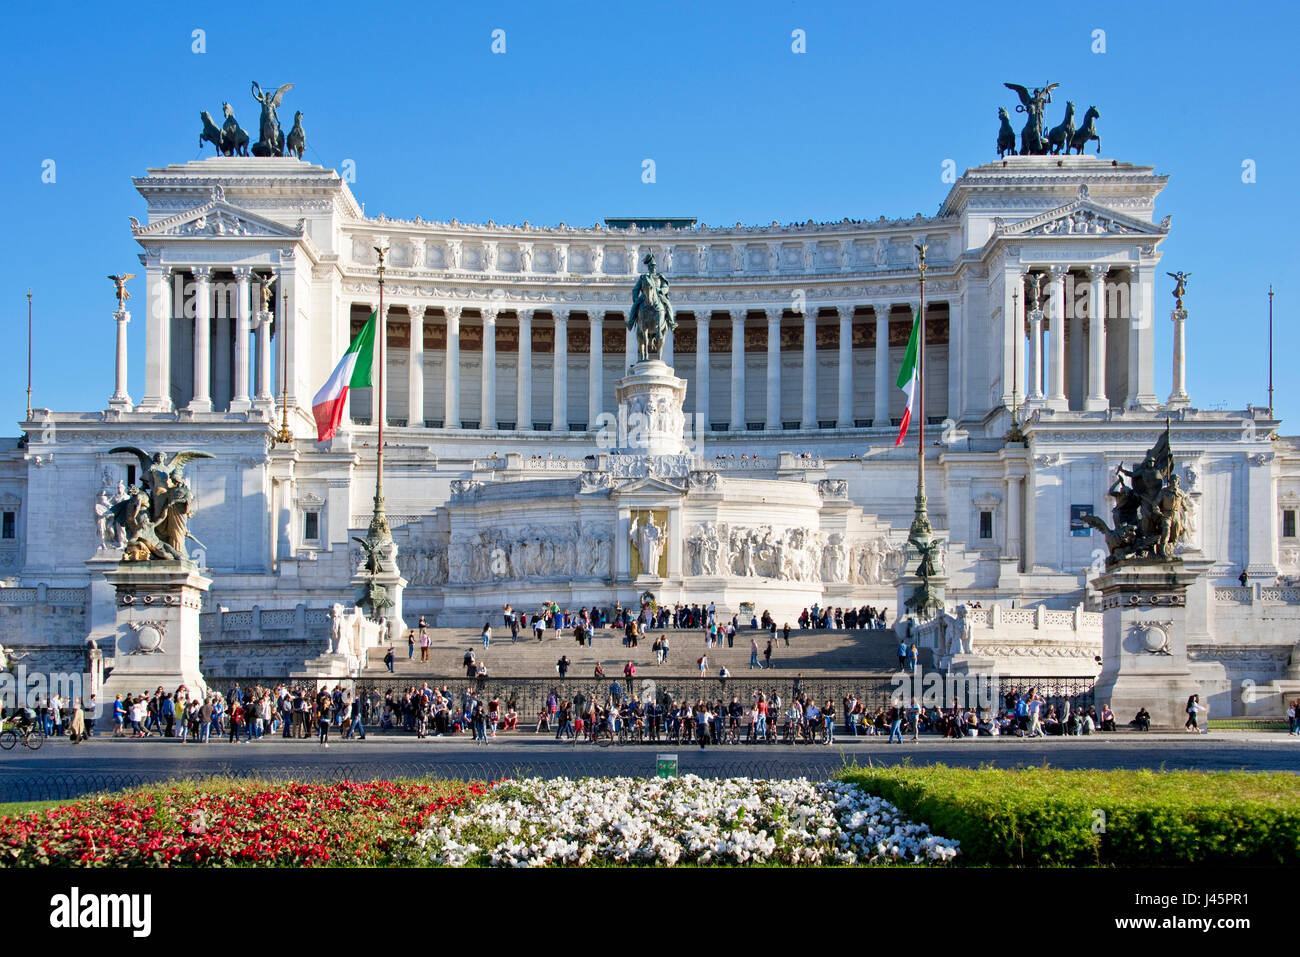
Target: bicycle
(31, 737)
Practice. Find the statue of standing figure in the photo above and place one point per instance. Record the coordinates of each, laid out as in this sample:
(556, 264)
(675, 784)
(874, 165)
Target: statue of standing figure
(1032, 141)
(271, 141)
(649, 540)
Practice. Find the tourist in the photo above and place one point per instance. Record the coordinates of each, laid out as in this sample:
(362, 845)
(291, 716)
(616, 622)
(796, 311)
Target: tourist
(410, 645)
(539, 627)
(1107, 718)
(119, 716)
(562, 666)
(1142, 720)
(702, 719)
(723, 675)
(324, 711)
(663, 640)
(828, 721)
(902, 655)
(487, 634)
(703, 663)
(629, 673)
(599, 672)
(913, 657)
(753, 654)
(767, 652)
(1194, 707)
(424, 645)
(356, 726)
(1291, 717)
(388, 662)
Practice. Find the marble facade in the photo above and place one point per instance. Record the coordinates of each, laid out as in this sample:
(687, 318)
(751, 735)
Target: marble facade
(506, 470)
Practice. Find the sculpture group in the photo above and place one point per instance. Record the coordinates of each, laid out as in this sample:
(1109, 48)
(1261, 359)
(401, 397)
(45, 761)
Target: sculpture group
(1061, 139)
(1151, 512)
(151, 520)
(232, 140)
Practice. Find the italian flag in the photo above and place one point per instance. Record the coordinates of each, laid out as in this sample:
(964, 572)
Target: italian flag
(352, 372)
(909, 376)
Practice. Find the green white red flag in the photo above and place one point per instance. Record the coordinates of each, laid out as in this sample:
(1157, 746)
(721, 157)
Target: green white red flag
(352, 372)
(909, 377)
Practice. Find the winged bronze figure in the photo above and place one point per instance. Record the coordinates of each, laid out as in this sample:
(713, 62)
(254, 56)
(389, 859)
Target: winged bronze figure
(119, 285)
(155, 515)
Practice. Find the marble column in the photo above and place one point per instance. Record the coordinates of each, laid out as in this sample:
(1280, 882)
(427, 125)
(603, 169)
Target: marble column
(560, 376)
(668, 345)
(1035, 390)
(239, 400)
(1056, 398)
(595, 367)
(120, 399)
(451, 377)
(488, 379)
(1178, 397)
(524, 372)
(773, 422)
(702, 366)
(415, 369)
(880, 414)
(202, 400)
(737, 370)
(629, 349)
(158, 336)
(1097, 400)
(844, 407)
(265, 398)
(808, 420)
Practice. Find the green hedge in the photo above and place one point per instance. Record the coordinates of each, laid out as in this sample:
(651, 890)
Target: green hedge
(1045, 817)
(1248, 724)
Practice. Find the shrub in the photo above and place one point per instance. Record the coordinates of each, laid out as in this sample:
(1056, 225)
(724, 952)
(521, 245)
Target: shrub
(1047, 817)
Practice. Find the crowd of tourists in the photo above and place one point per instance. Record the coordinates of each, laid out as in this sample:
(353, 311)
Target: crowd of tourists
(239, 715)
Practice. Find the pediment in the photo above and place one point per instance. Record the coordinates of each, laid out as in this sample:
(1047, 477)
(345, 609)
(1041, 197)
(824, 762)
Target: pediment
(1082, 217)
(217, 219)
(649, 484)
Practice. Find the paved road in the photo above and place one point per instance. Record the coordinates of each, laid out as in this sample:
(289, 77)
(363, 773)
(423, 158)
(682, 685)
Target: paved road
(60, 770)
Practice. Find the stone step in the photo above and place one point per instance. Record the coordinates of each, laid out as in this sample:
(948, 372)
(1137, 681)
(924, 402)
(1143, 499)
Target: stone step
(872, 652)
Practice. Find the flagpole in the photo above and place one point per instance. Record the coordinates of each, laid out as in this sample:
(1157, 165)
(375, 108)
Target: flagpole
(1270, 355)
(29, 350)
(284, 437)
(920, 522)
(379, 530)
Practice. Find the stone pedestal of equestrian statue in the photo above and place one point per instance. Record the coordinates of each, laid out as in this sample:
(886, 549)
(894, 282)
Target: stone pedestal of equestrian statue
(156, 641)
(1144, 641)
(650, 399)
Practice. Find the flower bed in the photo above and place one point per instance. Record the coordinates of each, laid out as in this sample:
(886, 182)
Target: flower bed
(537, 822)
(232, 823)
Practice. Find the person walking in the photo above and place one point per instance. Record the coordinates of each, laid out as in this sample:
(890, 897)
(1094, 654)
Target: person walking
(1194, 707)
(388, 662)
(357, 727)
(753, 655)
(424, 644)
(767, 654)
(487, 634)
(895, 724)
(325, 710)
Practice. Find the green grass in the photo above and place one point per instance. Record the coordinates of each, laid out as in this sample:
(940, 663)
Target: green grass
(18, 808)
(1248, 724)
(1048, 817)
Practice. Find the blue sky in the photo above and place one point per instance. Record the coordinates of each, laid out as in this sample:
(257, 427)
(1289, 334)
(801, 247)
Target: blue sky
(555, 130)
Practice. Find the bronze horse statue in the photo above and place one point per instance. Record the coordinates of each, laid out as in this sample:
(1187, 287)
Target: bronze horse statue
(1006, 135)
(1058, 138)
(233, 136)
(1086, 132)
(651, 313)
(211, 133)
